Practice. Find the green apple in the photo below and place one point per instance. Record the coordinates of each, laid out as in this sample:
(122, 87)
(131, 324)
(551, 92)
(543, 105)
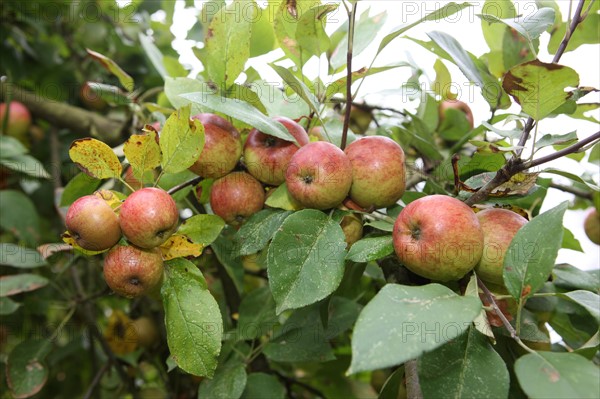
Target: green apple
(319, 175)
(499, 226)
(378, 173)
(148, 217)
(591, 226)
(438, 237)
(93, 224)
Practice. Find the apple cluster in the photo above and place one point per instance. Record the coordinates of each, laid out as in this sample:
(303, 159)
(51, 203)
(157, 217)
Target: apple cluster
(147, 218)
(441, 238)
(318, 175)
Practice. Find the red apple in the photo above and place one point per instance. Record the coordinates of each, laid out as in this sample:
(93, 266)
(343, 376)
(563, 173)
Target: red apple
(90, 99)
(267, 157)
(222, 147)
(131, 272)
(456, 104)
(93, 224)
(19, 120)
(378, 175)
(499, 226)
(236, 196)
(591, 226)
(438, 237)
(148, 217)
(319, 175)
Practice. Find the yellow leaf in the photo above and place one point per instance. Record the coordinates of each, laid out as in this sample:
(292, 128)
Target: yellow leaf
(95, 158)
(112, 198)
(178, 246)
(143, 152)
(120, 333)
(68, 239)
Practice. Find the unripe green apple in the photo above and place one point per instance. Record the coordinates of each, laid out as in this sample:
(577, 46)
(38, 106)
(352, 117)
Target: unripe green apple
(499, 226)
(438, 237)
(222, 147)
(131, 271)
(236, 196)
(148, 217)
(352, 227)
(319, 175)
(93, 224)
(19, 120)
(378, 174)
(591, 226)
(146, 332)
(267, 157)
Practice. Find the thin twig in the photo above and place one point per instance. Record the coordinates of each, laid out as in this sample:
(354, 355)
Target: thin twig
(490, 297)
(96, 381)
(413, 387)
(573, 190)
(352, 19)
(290, 380)
(191, 182)
(565, 151)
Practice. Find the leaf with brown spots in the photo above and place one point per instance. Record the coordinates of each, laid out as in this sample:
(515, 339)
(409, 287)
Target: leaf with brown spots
(143, 152)
(180, 246)
(95, 158)
(26, 373)
(539, 87)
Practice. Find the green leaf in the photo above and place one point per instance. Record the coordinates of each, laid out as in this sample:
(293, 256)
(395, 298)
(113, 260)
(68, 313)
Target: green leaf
(77, 187)
(301, 339)
(192, 318)
(18, 283)
(278, 102)
(263, 386)
(282, 199)
(285, 25)
(365, 32)
(401, 323)
(203, 229)
(568, 276)
(573, 177)
(310, 31)
(21, 257)
(370, 249)
(226, 250)
(539, 87)
(109, 93)
(242, 111)
(557, 375)
(454, 369)
(440, 13)
(153, 54)
(181, 141)
(26, 372)
(10, 147)
(262, 40)
(259, 229)
(587, 299)
(529, 27)
(339, 86)
(227, 44)
(228, 383)
(585, 33)
(381, 225)
(26, 164)
(594, 157)
(112, 67)
(305, 261)
(531, 254)
(569, 241)
(8, 306)
(257, 314)
(554, 139)
(19, 216)
(176, 86)
(299, 88)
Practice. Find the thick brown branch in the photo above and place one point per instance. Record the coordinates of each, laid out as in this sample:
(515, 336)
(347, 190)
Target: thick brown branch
(63, 115)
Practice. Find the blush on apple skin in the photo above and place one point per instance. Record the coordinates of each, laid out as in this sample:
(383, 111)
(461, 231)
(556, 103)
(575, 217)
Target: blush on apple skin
(378, 172)
(267, 157)
(148, 217)
(499, 226)
(131, 272)
(438, 237)
(236, 196)
(19, 119)
(319, 175)
(222, 147)
(591, 226)
(93, 223)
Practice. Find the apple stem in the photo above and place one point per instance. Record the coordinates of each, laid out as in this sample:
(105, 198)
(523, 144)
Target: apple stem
(351, 22)
(127, 185)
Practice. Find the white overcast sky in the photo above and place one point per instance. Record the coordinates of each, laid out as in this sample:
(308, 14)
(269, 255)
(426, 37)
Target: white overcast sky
(466, 27)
